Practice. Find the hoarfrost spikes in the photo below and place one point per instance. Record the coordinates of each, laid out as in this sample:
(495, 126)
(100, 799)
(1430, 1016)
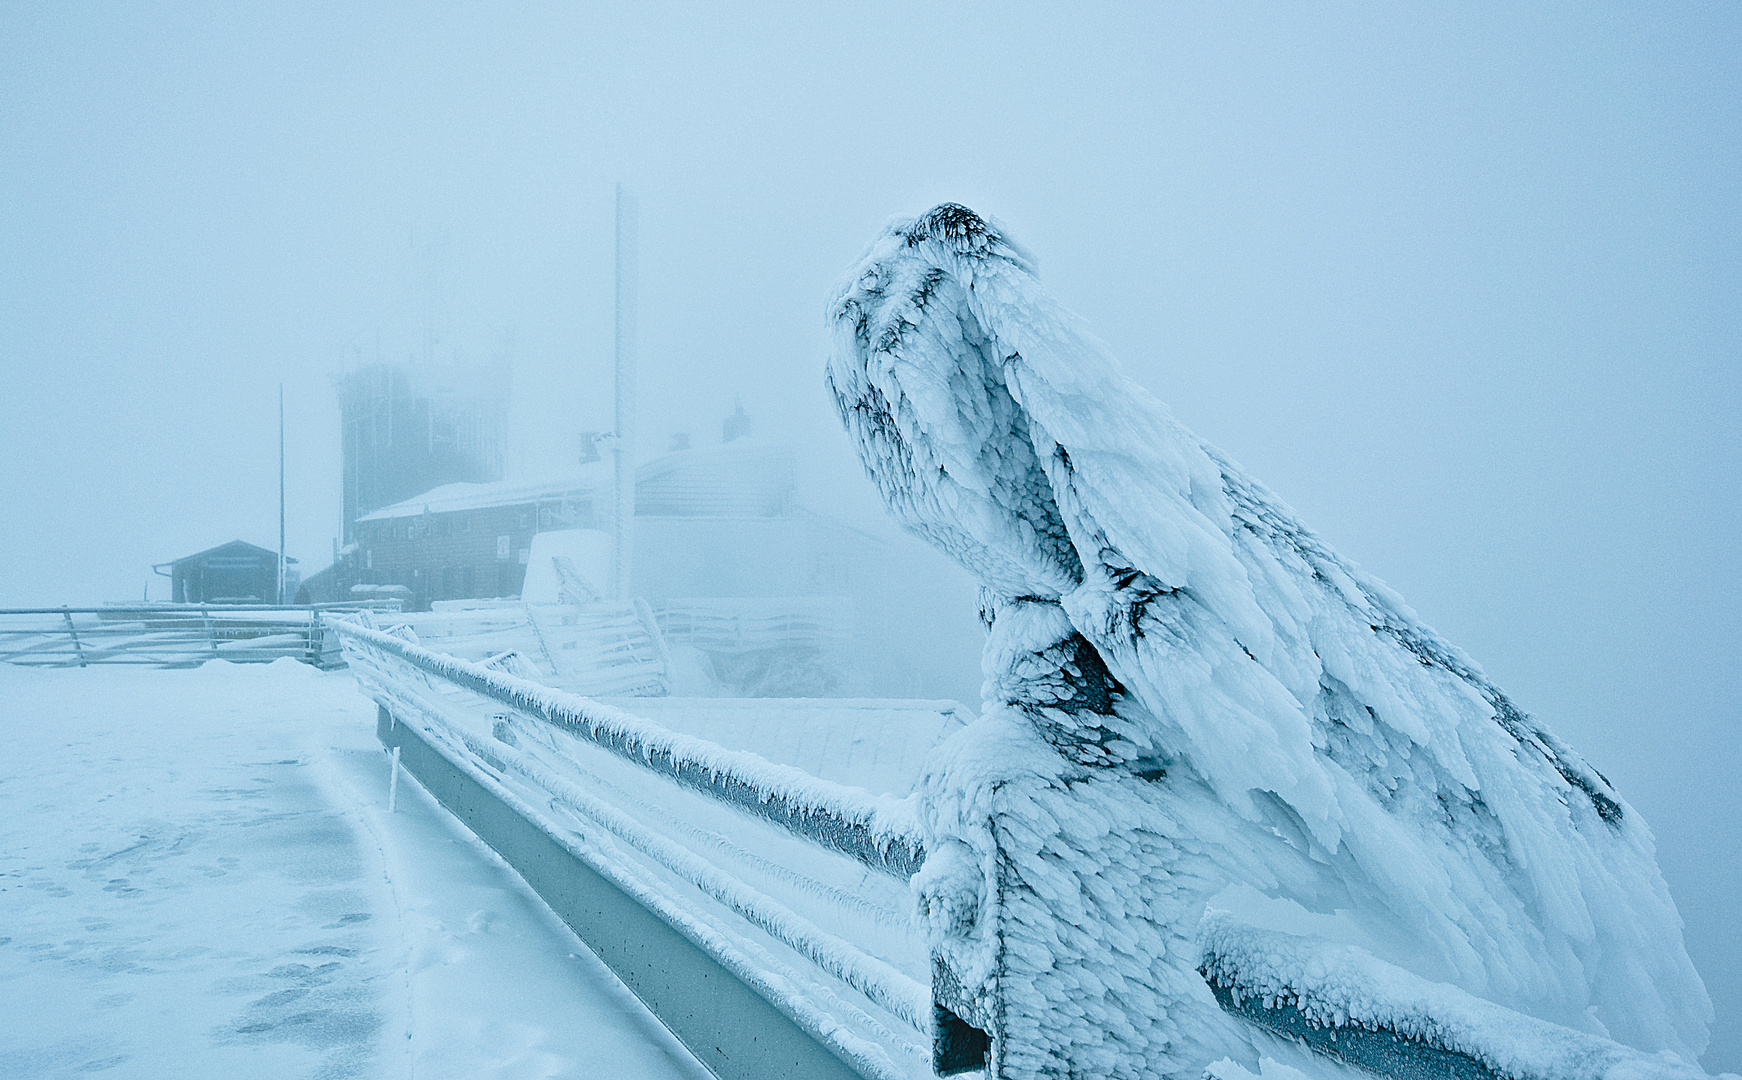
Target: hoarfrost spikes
(1267, 716)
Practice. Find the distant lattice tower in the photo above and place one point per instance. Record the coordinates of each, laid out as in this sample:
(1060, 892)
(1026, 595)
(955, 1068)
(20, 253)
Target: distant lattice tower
(407, 428)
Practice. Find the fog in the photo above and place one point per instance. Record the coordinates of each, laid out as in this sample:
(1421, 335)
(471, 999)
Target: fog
(1460, 285)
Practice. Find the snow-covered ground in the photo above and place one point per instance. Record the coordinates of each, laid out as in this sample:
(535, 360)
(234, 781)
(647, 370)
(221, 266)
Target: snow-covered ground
(199, 877)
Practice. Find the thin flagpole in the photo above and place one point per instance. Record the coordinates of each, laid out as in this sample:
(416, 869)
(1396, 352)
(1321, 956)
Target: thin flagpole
(623, 510)
(281, 493)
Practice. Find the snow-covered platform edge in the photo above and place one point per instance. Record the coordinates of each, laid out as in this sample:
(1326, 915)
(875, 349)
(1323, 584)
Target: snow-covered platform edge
(699, 986)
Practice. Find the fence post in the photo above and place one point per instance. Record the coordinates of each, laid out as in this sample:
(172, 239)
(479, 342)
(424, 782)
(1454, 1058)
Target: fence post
(1060, 904)
(73, 631)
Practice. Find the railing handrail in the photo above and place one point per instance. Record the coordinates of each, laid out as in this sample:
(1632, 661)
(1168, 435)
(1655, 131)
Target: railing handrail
(170, 635)
(1323, 994)
(875, 829)
(1410, 1027)
(170, 608)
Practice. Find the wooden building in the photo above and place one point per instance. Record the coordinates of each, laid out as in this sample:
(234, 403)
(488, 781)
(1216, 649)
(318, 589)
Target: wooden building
(234, 573)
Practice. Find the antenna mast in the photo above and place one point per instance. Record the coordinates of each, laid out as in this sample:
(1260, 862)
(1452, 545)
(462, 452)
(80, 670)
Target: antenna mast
(623, 515)
(281, 493)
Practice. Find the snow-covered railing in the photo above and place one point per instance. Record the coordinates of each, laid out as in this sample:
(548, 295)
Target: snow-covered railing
(879, 831)
(1057, 928)
(736, 624)
(761, 911)
(602, 647)
(169, 635)
(1064, 914)
(1351, 1006)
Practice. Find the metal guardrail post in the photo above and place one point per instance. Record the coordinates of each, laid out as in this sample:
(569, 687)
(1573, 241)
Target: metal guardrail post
(73, 632)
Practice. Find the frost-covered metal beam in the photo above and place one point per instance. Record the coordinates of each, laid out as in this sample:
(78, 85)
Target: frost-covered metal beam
(1062, 904)
(161, 635)
(708, 1002)
(1348, 1005)
(456, 719)
(875, 829)
(1377, 1050)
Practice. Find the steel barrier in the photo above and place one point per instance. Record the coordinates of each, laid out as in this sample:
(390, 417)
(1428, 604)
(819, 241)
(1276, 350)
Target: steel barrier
(171, 635)
(765, 914)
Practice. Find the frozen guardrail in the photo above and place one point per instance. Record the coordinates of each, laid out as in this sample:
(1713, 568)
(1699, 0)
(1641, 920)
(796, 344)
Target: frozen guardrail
(1356, 1008)
(877, 830)
(169, 635)
(779, 937)
(774, 937)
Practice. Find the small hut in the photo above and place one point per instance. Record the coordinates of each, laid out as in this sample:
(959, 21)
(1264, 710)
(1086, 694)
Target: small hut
(233, 573)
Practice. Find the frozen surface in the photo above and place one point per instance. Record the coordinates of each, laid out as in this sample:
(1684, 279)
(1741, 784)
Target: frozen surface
(879, 745)
(1342, 987)
(198, 878)
(1187, 690)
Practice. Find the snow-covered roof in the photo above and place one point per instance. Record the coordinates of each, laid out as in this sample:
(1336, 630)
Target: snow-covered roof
(745, 478)
(448, 498)
(746, 475)
(233, 547)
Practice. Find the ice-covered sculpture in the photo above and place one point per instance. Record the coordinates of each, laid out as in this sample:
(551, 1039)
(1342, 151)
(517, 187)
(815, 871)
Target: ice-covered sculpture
(1191, 697)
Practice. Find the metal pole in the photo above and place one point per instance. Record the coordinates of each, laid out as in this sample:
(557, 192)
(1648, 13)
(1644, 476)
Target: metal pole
(281, 493)
(72, 630)
(623, 515)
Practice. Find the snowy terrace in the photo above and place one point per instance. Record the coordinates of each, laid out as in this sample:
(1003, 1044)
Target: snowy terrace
(216, 872)
(199, 878)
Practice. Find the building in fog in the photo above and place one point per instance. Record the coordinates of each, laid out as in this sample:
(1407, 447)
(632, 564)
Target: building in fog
(725, 554)
(233, 573)
(409, 428)
(714, 521)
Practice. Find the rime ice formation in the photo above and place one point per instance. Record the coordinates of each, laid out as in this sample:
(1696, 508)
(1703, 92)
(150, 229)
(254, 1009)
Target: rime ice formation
(1190, 695)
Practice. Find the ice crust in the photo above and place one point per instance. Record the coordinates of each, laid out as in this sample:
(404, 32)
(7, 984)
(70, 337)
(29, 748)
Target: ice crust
(887, 822)
(1187, 689)
(1339, 986)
